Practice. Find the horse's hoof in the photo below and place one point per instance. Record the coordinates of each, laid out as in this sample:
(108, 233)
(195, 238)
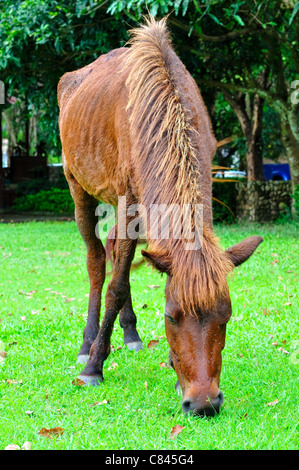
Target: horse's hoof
(135, 346)
(93, 380)
(178, 389)
(82, 358)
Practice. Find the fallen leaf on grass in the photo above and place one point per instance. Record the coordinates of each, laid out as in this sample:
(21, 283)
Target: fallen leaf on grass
(12, 381)
(283, 351)
(164, 364)
(153, 286)
(113, 366)
(78, 382)
(153, 343)
(177, 429)
(26, 446)
(51, 432)
(104, 402)
(27, 293)
(272, 403)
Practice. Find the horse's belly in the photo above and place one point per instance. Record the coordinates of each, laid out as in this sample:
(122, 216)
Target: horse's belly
(94, 178)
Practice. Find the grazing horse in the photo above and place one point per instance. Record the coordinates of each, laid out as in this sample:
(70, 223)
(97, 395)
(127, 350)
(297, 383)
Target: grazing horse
(133, 125)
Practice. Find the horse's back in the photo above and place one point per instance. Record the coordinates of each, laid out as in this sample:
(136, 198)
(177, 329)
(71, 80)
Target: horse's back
(92, 100)
(71, 81)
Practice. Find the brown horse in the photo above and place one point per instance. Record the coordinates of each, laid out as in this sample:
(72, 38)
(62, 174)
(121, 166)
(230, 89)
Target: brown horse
(133, 124)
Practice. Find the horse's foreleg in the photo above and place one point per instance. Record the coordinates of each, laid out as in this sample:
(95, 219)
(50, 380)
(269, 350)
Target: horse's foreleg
(127, 317)
(128, 321)
(85, 207)
(117, 294)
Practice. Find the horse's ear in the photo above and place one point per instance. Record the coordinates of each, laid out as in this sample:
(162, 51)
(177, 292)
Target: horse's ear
(243, 250)
(159, 262)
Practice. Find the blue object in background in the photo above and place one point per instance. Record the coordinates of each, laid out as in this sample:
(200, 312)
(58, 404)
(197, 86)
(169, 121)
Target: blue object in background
(277, 171)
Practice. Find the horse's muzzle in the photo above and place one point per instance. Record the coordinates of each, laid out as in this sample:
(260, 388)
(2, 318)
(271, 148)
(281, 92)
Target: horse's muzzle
(209, 408)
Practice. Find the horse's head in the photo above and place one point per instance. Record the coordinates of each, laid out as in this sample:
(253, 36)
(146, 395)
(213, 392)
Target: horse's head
(196, 340)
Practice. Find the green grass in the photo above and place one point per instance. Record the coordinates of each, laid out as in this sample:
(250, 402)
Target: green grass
(43, 306)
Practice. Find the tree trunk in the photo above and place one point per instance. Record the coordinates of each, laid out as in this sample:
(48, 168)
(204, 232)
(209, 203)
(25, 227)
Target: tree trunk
(27, 128)
(254, 159)
(290, 142)
(251, 124)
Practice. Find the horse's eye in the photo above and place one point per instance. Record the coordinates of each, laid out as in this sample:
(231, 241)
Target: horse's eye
(172, 320)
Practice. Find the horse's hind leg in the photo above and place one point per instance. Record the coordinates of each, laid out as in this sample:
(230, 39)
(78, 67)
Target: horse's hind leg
(85, 207)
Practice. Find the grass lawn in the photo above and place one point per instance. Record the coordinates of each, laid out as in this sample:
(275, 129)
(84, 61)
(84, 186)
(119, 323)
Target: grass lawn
(43, 305)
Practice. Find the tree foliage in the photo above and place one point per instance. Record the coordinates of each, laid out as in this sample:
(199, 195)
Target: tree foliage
(245, 51)
(41, 40)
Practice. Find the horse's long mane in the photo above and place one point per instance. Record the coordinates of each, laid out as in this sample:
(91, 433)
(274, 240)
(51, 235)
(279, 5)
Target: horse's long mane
(158, 117)
(167, 162)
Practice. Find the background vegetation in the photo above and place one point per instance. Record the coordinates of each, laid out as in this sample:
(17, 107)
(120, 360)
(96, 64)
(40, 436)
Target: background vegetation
(243, 55)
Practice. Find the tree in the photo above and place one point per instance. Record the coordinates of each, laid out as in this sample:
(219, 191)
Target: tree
(245, 49)
(241, 47)
(40, 41)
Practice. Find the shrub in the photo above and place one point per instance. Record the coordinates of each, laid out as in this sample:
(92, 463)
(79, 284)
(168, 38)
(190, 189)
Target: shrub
(54, 200)
(224, 193)
(295, 196)
(38, 184)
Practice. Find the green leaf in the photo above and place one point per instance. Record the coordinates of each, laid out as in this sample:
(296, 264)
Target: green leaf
(185, 7)
(215, 19)
(239, 20)
(177, 5)
(295, 11)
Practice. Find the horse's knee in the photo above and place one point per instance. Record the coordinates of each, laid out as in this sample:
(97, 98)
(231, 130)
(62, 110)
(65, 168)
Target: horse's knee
(117, 293)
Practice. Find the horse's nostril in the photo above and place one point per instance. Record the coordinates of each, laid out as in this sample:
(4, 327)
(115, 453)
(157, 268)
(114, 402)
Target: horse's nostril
(217, 402)
(210, 408)
(186, 405)
(220, 398)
